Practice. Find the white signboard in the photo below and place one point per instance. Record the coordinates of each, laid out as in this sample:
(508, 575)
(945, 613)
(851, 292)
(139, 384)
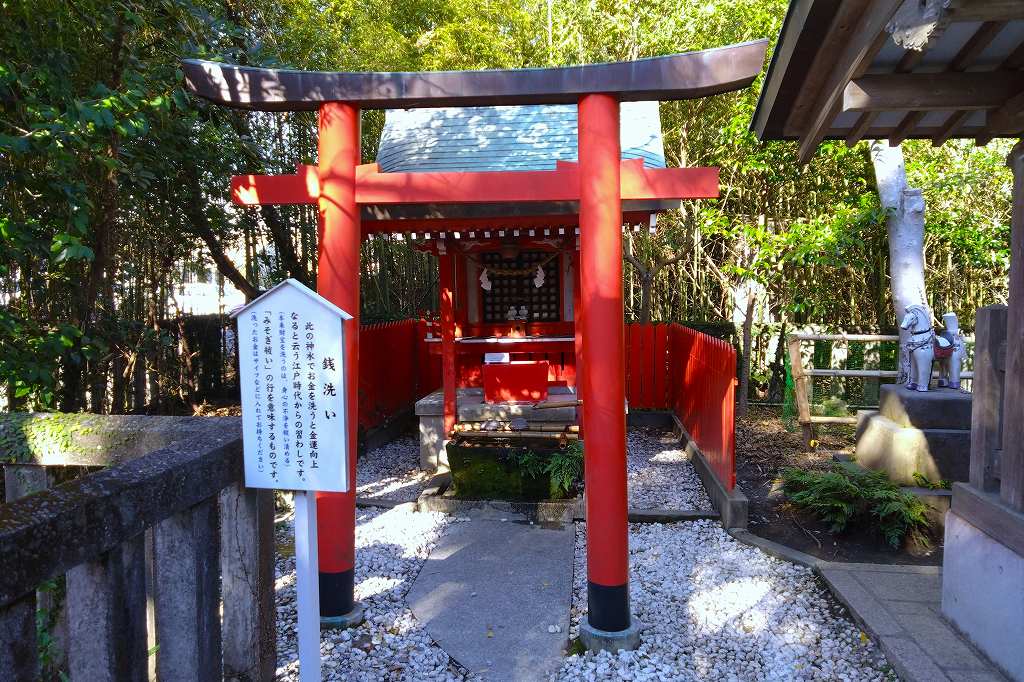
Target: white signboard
(292, 371)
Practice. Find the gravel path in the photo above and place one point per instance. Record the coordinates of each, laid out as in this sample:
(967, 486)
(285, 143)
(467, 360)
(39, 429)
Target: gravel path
(716, 609)
(660, 476)
(391, 547)
(392, 472)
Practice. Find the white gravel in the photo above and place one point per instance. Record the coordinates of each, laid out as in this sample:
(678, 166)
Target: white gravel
(392, 472)
(660, 475)
(391, 547)
(715, 609)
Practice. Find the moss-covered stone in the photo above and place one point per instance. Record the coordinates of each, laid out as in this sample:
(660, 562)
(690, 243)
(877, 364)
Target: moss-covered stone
(493, 472)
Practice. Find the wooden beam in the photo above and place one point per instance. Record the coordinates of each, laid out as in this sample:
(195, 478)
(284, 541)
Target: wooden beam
(861, 127)
(863, 43)
(977, 43)
(932, 91)
(1012, 458)
(833, 40)
(680, 76)
(1008, 118)
(950, 127)
(908, 61)
(905, 127)
(986, 10)
(562, 184)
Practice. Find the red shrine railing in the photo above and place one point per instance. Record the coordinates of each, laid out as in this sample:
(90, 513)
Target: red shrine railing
(668, 367)
(703, 378)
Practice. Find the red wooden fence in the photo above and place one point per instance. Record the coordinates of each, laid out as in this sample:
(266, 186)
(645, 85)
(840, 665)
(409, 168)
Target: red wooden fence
(388, 370)
(668, 366)
(703, 376)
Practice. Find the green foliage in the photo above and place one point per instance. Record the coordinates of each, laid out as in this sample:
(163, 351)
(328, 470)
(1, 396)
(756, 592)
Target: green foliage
(529, 463)
(841, 496)
(114, 180)
(566, 467)
(924, 482)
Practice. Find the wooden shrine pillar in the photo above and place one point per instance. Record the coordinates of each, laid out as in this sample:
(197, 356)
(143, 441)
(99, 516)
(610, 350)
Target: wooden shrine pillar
(577, 314)
(603, 372)
(449, 385)
(338, 282)
(1012, 459)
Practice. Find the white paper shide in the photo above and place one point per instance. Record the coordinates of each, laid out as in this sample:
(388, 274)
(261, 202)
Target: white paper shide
(292, 373)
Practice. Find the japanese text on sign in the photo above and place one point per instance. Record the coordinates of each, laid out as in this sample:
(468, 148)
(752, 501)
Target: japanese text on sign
(293, 399)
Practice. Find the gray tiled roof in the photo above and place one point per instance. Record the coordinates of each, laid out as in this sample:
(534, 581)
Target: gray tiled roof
(529, 137)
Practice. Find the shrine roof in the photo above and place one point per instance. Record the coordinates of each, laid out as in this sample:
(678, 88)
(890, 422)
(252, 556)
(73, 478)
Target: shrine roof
(895, 70)
(505, 138)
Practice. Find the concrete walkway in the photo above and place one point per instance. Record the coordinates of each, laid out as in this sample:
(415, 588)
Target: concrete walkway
(900, 607)
(491, 589)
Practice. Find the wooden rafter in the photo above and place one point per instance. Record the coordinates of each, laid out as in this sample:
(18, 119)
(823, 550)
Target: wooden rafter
(908, 61)
(862, 43)
(967, 55)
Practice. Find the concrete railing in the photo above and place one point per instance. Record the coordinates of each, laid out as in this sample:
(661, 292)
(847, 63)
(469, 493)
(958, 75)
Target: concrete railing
(167, 558)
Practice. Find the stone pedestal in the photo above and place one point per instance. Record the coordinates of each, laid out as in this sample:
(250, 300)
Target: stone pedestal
(982, 593)
(473, 408)
(928, 433)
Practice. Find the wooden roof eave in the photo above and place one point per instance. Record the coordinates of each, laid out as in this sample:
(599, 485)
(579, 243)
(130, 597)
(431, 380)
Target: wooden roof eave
(815, 75)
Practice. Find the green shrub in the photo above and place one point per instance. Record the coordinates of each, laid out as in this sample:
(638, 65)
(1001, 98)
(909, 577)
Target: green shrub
(566, 467)
(841, 496)
(923, 481)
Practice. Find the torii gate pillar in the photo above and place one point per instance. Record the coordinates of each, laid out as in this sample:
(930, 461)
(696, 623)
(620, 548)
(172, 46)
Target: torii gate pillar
(603, 388)
(338, 281)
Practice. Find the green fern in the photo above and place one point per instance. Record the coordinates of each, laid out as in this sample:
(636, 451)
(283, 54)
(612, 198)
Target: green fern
(841, 496)
(566, 467)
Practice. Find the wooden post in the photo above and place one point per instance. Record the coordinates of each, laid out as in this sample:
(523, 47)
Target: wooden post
(186, 551)
(987, 401)
(107, 616)
(338, 282)
(803, 405)
(446, 267)
(1012, 479)
(603, 376)
(247, 583)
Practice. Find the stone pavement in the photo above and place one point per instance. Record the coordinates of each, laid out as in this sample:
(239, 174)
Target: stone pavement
(900, 607)
(490, 591)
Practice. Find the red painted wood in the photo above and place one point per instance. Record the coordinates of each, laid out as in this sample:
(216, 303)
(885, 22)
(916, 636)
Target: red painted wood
(637, 182)
(660, 368)
(703, 396)
(448, 354)
(604, 390)
(634, 365)
(516, 382)
(338, 281)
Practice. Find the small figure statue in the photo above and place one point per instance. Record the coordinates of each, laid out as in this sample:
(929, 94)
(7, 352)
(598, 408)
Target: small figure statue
(511, 315)
(920, 347)
(523, 315)
(950, 352)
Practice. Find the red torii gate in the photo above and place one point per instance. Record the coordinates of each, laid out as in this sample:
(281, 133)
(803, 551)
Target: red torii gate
(599, 183)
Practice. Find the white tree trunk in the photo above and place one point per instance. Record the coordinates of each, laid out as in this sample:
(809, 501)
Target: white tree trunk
(906, 234)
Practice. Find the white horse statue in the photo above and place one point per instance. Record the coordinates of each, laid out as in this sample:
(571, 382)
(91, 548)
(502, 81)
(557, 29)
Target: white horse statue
(924, 347)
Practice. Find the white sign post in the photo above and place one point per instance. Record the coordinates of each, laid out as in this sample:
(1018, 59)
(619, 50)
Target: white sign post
(292, 374)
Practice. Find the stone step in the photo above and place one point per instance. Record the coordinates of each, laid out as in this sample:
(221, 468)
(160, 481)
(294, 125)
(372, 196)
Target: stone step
(940, 408)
